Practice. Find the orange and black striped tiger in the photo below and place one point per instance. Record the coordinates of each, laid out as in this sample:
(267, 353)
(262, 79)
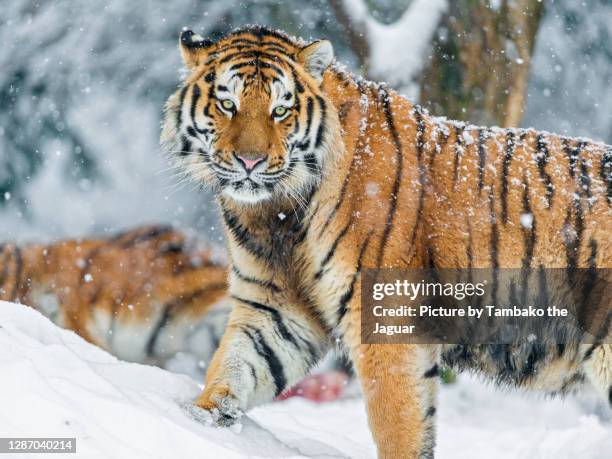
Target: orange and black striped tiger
(143, 294)
(320, 175)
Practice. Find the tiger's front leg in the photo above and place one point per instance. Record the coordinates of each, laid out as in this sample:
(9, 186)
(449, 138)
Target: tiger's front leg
(399, 384)
(265, 350)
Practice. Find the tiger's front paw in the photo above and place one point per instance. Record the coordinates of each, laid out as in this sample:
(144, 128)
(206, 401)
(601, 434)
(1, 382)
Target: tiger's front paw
(223, 407)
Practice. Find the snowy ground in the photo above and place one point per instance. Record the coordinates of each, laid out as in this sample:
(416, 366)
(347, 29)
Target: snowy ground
(53, 384)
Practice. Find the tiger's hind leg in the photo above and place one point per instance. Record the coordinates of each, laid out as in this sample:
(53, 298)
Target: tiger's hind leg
(597, 366)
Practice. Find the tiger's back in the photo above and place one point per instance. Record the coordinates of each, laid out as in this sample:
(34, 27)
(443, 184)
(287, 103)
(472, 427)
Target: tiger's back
(466, 197)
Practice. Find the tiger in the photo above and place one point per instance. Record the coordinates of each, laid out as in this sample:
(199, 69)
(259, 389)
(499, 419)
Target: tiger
(152, 295)
(143, 294)
(320, 175)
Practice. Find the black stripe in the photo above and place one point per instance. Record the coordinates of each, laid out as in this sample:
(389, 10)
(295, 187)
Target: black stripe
(299, 87)
(191, 132)
(256, 55)
(265, 351)
(276, 318)
(262, 283)
(542, 155)
(321, 128)
(309, 112)
(441, 141)
(431, 411)
(605, 172)
(529, 240)
(585, 182)
(420, 144)
(311, 163)
(432, 372)
(185, 147)
(179, 114)
(171, 307)
(243, 237)
(276, 48)
(510, 144)
(261, 32)
(384, 96)
(348, 295)
(164, 319)
(332, 250)
(572, 156)
(459, 129)
(195, 97)
(239, 66)
(482, 157)
(270, 66)
(529, 234)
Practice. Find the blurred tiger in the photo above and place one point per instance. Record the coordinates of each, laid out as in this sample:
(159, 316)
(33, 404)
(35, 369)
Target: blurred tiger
(143, 295)
(319, 175)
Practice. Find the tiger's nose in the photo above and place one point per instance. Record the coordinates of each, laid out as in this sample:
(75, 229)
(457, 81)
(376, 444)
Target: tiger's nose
(249, 162)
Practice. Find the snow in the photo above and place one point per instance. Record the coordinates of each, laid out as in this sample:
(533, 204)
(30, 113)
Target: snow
(389, 60)
(527, 220)
(55, 384)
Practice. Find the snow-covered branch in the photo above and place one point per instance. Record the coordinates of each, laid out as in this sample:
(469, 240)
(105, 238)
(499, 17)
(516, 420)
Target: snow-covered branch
(391, 52)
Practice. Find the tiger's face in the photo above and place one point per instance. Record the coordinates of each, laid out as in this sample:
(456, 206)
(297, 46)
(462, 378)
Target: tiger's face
(250, 119)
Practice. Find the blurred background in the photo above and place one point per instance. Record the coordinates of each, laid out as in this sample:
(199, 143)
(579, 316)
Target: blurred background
(82, 85)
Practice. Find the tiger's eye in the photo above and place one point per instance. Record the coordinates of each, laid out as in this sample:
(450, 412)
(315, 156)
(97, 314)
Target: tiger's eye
(227, 104)
(280, 111)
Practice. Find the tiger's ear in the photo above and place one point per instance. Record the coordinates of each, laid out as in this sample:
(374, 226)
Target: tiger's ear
(316, 57)
(192, 46)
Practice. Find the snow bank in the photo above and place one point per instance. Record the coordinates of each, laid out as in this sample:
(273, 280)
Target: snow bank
(55, 384)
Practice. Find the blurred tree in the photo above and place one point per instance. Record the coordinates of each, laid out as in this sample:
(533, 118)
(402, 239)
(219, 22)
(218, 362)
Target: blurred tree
(482, 52)
(479, 53)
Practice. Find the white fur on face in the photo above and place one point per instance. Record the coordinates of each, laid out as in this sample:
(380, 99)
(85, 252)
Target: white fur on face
(246, 194)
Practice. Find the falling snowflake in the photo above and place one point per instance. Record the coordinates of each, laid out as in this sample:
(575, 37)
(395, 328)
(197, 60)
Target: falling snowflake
(88, 278)
(281, 216)
(527, 220)
(372, 189)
